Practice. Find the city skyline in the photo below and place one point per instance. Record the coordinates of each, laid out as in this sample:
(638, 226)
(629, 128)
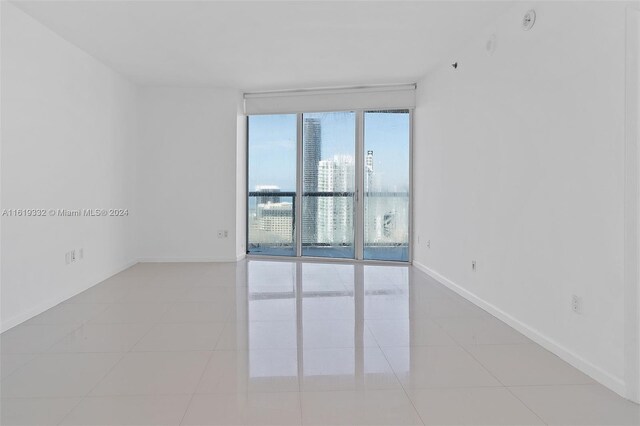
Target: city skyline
(328, 221)
(311, 159)
(272, 141)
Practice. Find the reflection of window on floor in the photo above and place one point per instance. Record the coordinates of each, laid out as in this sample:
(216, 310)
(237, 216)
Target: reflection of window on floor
(273, 363)
(320, 327)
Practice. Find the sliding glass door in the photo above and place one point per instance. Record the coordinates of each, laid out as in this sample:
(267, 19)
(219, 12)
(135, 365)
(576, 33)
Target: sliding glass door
(343, 176)
(271, 178)
(386, 185)
(328, 184)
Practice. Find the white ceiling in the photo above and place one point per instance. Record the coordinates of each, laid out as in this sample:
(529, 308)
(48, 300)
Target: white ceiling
(267, 45)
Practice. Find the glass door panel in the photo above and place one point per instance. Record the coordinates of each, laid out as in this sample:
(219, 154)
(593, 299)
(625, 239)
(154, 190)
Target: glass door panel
(272, 185)
(328, 184)
(386, 185)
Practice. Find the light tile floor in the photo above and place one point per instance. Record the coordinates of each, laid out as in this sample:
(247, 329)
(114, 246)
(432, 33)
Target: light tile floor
(266, 342)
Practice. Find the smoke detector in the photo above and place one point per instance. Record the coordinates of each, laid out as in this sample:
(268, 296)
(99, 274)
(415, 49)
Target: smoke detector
(528, 20)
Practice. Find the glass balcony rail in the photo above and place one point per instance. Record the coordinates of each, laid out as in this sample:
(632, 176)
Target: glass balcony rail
(272, 224)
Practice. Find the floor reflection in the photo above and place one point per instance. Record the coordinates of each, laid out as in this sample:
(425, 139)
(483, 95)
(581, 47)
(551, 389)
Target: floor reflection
(319, 311)
(285, 342)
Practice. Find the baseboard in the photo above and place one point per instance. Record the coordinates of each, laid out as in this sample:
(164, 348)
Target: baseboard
(615, 384)
(187, 259)
(19, 319)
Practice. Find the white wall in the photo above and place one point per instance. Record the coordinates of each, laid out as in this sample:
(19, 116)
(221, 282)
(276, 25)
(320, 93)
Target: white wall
(187, 159)
(632, 205)
(241, 181)
(68, 131)
(519, 165)
(77, 135)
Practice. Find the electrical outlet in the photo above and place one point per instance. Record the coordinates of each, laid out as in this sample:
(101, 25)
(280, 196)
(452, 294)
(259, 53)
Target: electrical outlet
(222, 233)
(428, 243)
(226, 233)
(73, 256)
(473, 265)
(576, 304)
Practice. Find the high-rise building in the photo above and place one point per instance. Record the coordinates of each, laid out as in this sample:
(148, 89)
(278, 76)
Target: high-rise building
(274, 223)
(369, 171)
(272, 220)
(335, 214)
(370, 201)
(311, 156)
(371, 208)
(269, 189)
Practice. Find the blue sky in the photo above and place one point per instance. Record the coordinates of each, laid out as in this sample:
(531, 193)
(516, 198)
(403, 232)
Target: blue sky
(272, 146)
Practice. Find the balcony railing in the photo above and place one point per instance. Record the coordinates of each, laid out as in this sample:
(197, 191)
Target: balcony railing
(272, 228)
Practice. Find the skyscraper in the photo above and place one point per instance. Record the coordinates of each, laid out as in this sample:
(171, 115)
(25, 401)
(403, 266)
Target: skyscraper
(269, 190)
(369, 170)
(310, 158)
(370, 208)
(335, 214)
(274, 223)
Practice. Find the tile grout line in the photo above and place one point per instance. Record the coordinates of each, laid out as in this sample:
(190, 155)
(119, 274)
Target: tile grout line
(195, 389)
(123, 354)
(74, 328)
(438, 321)
(490, 373)
(35, 356)
(204, 370)
(300, 399)
(404, 390)
(525, 404)
(485, 368)
(83, 397)
(500, 381)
